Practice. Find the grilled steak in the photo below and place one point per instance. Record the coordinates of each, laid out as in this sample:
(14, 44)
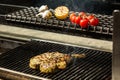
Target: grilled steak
(50, 61)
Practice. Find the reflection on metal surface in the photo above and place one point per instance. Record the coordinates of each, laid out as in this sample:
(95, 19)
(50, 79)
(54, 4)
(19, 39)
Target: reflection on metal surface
(116, 46)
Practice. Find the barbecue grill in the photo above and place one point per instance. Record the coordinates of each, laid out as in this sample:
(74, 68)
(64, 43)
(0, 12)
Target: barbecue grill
(96, 65)
(28, 16)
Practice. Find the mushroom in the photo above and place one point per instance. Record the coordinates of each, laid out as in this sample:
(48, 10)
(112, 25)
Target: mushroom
(43, 8)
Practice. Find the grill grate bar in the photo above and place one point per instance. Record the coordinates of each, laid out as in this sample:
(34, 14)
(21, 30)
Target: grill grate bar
(67, 72)
(72, 68)
(28, 16)
(90, 71)
(77, 71)
(96, 65)
(94, 71)
(101, 73)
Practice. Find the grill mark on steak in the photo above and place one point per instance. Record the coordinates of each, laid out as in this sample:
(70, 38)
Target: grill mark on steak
(51, 61)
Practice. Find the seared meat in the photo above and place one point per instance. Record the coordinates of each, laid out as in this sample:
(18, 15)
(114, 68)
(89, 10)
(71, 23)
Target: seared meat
(50, 61)
(47, 66)
(35, 61)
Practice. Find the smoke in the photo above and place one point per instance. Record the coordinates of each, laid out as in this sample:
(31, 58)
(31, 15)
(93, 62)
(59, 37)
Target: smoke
(83, 5)
(91, 6)
(74, 5)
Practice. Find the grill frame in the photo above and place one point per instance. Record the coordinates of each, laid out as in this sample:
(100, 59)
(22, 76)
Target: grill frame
(27, 16)
(15, 75)
(29, 76)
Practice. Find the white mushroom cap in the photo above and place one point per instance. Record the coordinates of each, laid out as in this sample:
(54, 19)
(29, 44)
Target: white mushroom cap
(43, 8)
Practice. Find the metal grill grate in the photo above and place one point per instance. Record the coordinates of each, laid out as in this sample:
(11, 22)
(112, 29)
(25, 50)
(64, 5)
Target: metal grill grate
(28, 16)
(96, 66)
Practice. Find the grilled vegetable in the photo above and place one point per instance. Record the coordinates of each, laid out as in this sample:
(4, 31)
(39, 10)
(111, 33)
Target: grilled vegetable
(61, 12)
(43, 8)
(46, 14)
(52, 61)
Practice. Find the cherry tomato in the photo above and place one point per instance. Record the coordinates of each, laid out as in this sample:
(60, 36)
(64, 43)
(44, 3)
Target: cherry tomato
(84, 23)
(90, 17)
(94, 21)
(78, 19)
(73, 19)
(82, 14)
(72, 14)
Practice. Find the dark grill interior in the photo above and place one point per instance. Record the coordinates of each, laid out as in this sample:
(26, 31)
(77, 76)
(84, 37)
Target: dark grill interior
(96, 66)
(27, 15)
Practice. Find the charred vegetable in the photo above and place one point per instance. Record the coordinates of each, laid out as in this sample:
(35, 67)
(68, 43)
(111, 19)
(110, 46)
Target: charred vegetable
(61, 12)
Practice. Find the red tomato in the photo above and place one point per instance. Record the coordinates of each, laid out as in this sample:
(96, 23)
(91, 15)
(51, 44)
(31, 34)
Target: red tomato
(94, 21)
(73, 19)
(82, 14)
(90, 17)
(84, 23)
(78, 19)
(72, 14)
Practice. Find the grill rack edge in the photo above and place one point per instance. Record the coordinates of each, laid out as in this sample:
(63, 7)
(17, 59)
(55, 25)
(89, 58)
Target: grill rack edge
(27, 16)
(95, 71)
